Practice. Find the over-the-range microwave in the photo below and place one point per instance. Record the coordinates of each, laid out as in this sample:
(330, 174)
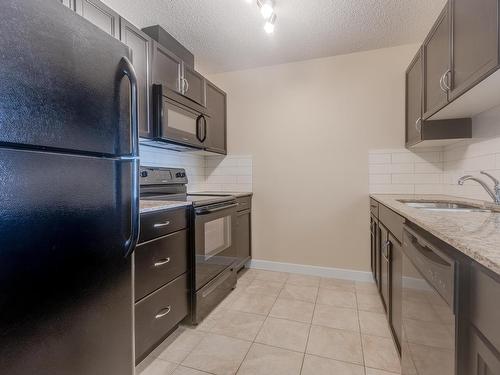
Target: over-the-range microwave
(182, 127)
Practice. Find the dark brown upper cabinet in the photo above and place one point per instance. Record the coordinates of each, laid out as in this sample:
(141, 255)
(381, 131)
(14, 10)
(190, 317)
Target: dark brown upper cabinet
(473, 81)
(100, 15)
(414, 81)
(437, 71)
(141, 46)
(167, 68)
(216, 102)
(425, 91)
(475, 42)
(193, 85)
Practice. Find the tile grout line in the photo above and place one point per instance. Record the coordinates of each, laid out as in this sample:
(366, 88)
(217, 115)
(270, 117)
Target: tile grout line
(310, 327)
(360, 335)
(253, 341)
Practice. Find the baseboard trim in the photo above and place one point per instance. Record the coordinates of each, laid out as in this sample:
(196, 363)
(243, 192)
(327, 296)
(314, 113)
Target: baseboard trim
(339, 273)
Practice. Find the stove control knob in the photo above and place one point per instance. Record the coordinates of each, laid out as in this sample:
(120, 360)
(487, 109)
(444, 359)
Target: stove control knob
(144, 174)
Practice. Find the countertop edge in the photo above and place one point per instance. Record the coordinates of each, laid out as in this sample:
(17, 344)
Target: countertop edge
(466, 249)
(154, 206)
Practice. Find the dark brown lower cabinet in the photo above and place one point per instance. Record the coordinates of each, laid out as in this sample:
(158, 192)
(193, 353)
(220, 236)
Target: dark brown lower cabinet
(158, 314)
(396, 305)
(375, 249)
(483, 336)
(483, 359)
(243, 238)
(385, 268)
(161, 280)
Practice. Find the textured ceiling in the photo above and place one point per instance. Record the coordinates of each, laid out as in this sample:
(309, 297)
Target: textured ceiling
(227, 35)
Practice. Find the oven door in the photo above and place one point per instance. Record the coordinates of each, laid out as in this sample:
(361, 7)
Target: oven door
(428, 345)
(215, 248)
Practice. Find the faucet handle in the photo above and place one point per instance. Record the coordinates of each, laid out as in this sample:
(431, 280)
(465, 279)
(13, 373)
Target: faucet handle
(494, 179)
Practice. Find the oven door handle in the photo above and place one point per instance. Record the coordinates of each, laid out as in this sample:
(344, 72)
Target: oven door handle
(205, 211)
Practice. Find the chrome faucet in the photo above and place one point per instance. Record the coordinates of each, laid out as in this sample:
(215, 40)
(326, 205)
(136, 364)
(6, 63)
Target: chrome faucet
(494, 193)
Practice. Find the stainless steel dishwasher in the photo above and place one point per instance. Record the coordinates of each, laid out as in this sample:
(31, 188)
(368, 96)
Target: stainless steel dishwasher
(429, 323)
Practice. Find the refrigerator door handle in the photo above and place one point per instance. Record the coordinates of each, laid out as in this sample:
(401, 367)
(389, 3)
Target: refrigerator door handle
(128, 70)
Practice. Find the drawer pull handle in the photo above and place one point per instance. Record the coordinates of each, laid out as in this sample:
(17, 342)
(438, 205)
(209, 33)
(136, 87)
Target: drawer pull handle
(162, 262)
(163, 312)
(161, 225)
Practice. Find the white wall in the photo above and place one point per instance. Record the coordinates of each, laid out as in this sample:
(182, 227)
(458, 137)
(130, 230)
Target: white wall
(309, 126)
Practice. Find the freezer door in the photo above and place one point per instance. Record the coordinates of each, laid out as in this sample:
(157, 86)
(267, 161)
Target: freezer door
(66, 283)
(61, 81)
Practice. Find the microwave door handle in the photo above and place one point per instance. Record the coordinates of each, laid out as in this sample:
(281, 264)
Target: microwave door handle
(204, 128)
(198, 137)
(158, 109)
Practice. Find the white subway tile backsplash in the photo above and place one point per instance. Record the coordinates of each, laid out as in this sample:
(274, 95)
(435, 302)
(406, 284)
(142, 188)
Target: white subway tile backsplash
(436, 167)
(378, 179)
(403, 168)
(429, 189)
(403, 157)
(436, 171)
(428, 156)
(392, 189)
(217, 173)
(376, 158)
(379, 169)
(418, 179)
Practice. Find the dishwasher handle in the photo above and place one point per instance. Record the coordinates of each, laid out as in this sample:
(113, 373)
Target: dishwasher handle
(433, 265)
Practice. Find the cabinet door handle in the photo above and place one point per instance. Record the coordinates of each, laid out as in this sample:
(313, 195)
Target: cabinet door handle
(441, 84)
(446, 84)
(162, 262)
(185, 87)
(161, 225)
(387, 253)
(418, 125)
(163, 312)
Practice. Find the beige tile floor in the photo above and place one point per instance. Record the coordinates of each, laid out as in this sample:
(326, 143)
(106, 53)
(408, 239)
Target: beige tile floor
(276, 323)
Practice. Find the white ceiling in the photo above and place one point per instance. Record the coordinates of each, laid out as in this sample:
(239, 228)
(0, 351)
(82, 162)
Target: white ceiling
(227, 35)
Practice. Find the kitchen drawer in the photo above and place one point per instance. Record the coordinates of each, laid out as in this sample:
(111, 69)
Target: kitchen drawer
(374, 207)
(485, 305)
(244, 203)
(160, 223)
(160, 261)
(392, 221)
(158, 314)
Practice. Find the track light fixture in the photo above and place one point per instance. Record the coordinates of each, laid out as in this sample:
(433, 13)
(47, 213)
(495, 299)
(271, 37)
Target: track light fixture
(268, 13)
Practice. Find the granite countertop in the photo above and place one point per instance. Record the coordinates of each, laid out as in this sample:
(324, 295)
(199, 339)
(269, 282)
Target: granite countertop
(237, 194)
(476, 234)
(148, 206)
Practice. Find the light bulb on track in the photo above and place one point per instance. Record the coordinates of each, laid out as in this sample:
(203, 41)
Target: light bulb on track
(269, 26)
(266, 8)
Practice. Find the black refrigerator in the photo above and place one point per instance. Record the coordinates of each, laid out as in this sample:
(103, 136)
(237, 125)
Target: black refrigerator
(69, 206)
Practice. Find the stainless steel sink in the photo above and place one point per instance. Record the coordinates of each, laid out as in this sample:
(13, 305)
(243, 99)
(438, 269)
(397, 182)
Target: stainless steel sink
(444, 206)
